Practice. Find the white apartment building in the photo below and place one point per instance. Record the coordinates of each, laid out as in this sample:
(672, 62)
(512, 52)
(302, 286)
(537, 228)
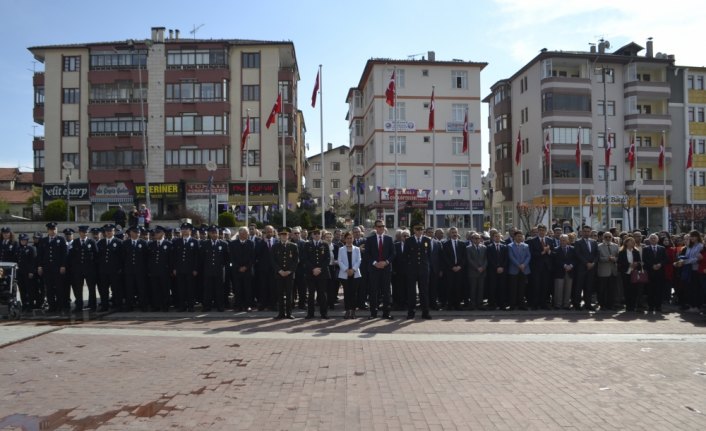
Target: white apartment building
(584, 95)
(430, 165)
(335, 177)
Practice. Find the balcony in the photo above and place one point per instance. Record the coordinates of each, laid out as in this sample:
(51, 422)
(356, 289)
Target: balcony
(650, 154)
(648, 122)
(292, 182)
(565, 82)
(502, 107)
(650, 187)
(569, 184)
(109, 142)
(647, 89)
(109, 76)
(38, 143)
(38, 114)
(107, 110)
(204, 73)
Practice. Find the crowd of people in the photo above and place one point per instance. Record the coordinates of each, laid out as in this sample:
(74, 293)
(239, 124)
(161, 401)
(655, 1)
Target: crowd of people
(377, 272)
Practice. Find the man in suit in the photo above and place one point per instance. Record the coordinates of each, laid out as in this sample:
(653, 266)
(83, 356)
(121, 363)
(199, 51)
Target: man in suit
(586, 259)
(497, 272)
(563, 272)
(417, 255)
(654, 258)
(241, 251)
(110, 268)
(159, 266)
(380, 252)
(435, 268)
(26, 269)
(300, 273)
(135, 270)
(519, 269)
(213, 258)
(285, 258)
(607, 271)
(185, 258)
(318, 258)
(52, 254)
(453, 255)
(399, 272)
(363, 286)
(541, 247)
(83, 257)
(477, 264)
(264, 270)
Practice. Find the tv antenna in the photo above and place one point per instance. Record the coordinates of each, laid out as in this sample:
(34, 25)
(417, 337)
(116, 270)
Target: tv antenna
(195, 29)
(412, 56)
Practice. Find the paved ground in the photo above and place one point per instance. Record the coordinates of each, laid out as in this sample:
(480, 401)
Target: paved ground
(509, 371)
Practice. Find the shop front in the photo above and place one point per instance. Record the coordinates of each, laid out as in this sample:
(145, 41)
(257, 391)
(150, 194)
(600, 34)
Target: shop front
(165, 198)
(105, 196)
(262, 200)
(457, 213)
(409, 201)
(78, 195)
(197, 196)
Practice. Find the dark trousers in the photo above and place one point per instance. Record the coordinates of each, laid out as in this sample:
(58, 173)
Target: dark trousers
(583, 284)
(185, 289)
(265, 288)
(317, 287)
(213, 292)
(39, 291)
(655, 289)
(285, 287)
(107, 281)
(300, 287)
(379, 286)
(242, 290)
(631, 292)
(495, 289)
(26, 287)
(350, 287)
(399, 289)
(420, 281)
(542, 283)
(607, 287)
(159, 287)
(456, 287)
(57, 296)
(135, 285)
(77, 280)
(516, 290)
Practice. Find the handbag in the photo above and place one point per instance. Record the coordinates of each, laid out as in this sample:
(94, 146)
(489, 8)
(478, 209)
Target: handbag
(638, 277)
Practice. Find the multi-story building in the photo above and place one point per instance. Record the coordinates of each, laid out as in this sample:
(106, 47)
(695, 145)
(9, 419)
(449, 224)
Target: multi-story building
(124, 114)
(422, 166)
(581, 96)
(337, 192)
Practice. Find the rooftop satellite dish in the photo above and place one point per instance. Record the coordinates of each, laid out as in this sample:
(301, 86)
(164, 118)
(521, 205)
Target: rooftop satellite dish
(606, 44)
(67, 165)
(211, 166)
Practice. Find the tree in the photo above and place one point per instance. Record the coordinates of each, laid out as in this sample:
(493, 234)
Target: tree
(56, 210)
(530, 215)
(226, 219)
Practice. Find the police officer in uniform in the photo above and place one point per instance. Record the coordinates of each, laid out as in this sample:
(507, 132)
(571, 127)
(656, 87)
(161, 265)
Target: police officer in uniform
(8, 246)
(159, 269)
(110, 268)
(66, 278)
(185, 258)
(214, 257)
(241, 251)
(417, 255)
(26, 267)
(135, 266)
(318, 258)
(52, 267)
(83, 256)
(38, 281)
(285, 256)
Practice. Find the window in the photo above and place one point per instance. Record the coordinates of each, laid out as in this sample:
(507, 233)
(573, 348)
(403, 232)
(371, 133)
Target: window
(119, 159)
(644, 109)
(523, 84)
(111, 59)
(566, 102)
(609, 75)
(196, 125)
(700, 115)
(358, 158)
(251, 60)
(335, 166)
(600, 139)
(335, 183)
(39, 95)
(700, 147)
(699, 82)
(601, 173)
(426, 173)
(401, 145)
(500, 94)
(286, 89)
(401, 111)
(569, 135)
(358, 128)
(426, 139)
(507, 179)
(457, 145)
(700, 179)
(38, 160)
(189, 156)
(72, 64)
(525, 177)
(425, 72)
(502, 151)
(458, 111)
(192, 91)
(644, 173)
(196, 58)
(118, 91)
(502, 122)
(459, 79)
(690, 82)
(316, 167)
(316, 184)
(524, 115)
(253, 158)
(254, 124)
(116, 126)
(611, 107)
(692, 111)
(459, 179)
(71, 96)
(70, 128)
(251, 92)
(72, 158)
(401, 179)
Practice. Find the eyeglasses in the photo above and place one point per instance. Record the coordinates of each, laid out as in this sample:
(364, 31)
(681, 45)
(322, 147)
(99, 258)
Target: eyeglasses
(379, 225)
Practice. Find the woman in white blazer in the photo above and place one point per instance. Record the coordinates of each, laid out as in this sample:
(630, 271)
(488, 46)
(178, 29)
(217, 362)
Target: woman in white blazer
(349, 273)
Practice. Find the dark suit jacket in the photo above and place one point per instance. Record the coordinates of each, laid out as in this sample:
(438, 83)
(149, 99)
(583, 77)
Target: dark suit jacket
(213, 258)
(52, 253)
(583, 256)
(159, 258)
(623, 264)
(417, 255)
(650, 257)
(263, 256)
(436, 262)
(185, 255)
(83, 258)
(318, 257)
(539, 261)
(562, 258)
(241, 254)
(497, 259)
(447, 254)
(371, 249)
(135, 257)
(110, 256)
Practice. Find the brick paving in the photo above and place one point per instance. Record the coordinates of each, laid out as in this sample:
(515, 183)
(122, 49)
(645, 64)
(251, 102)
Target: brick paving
(473, 371)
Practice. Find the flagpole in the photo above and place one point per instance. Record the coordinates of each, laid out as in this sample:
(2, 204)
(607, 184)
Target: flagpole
(637, 191)
(433, 159)
(247, 173)
(321, 133)
(284, 167)
(691, 179)
(580, 160)
(665, 211)
(470, 192)
(394, 149)
(551, 191)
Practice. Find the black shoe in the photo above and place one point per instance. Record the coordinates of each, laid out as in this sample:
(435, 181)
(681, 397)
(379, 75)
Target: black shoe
(374, 315)
(410, 316)
(426, 316)
(324, 316)
(309, 316)
(387, 316)
(289, 316)
(206, 309)
(280, 316)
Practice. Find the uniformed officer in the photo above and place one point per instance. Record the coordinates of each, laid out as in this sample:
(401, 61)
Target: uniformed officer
(8, 246)
(285, 256)
(110, 268)
(38, 279)
(318, 258)
(160, 269)
(417, 255)
(26, 267)
(185, 257)
(66, 278)
(52, 267)
(135, 266)
(214, 258)
(96, 234)
(83, 256)
(241, 251)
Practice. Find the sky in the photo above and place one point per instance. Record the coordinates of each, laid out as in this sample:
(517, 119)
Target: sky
(341, 36)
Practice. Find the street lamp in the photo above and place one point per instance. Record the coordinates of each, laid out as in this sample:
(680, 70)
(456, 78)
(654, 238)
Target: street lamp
(357, 192)
(211, 166)
(69, 166)
(605, 72)
(143, 132)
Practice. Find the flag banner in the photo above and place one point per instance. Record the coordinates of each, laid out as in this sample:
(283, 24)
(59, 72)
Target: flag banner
(578, 148)
(316, 90)
(660, 161)
(390, 92)
(246, 132)
(275, 110)
(465, 133)
(547, 148)
(690, 156)
(518, 148)
(431, 111)
(631, 152)
(608, 149)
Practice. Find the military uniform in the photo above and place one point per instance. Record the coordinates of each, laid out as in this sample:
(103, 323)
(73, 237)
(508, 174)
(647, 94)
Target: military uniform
(417, 255)
(52, 261)
(160, 272)
(110, 269)
(83, 257)
(242, 254)
(185, 257)
(135, 267)
(317, 256)
(26, 270)
(285, 256)
(214, 258)
(8, 251)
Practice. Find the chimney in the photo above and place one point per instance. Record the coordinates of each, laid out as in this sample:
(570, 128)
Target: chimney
(154, 33)
(158, 34)
(171, 34)
(601, 47)
(330, 146)
(649, 52)
(593, 48)
(431, 55)
(176, 34)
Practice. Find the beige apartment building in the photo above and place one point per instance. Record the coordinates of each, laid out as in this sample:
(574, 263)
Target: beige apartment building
(568, 96)
(422, 167)
(331, 183)
(120, 115)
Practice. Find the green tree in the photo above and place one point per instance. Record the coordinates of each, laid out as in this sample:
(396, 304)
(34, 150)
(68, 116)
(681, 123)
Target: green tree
(226, 219)
(56, 210)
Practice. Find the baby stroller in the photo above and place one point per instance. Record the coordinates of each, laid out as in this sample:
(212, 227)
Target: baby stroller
(9, 293)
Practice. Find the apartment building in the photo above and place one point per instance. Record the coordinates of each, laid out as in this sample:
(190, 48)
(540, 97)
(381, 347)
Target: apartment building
(394, 154)
(334, 177)
(121, 115)
(580, 96)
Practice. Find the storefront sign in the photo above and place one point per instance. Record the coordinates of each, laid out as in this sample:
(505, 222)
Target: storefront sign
(159, 190)
(112, 193)
(254, 188)
(457, 205)
(201, 189)
(404, 195)
(51, 192)
(457, 126)
(402, 126)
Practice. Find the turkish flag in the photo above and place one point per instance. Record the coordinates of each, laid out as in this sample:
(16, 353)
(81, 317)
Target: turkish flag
(246, 132)
(518, 148)
(547, 148)
(431, 111)
(631, 153)
(275, 110)
(465, 133)
(316, 90)
(390, 92)
(578, 148)
(690, 157)
(660, 161)
(608, 149)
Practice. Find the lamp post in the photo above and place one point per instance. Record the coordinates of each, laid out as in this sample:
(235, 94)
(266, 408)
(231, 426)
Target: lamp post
(68, 166)
(211, 166)
(143, 132)
(357, 192)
